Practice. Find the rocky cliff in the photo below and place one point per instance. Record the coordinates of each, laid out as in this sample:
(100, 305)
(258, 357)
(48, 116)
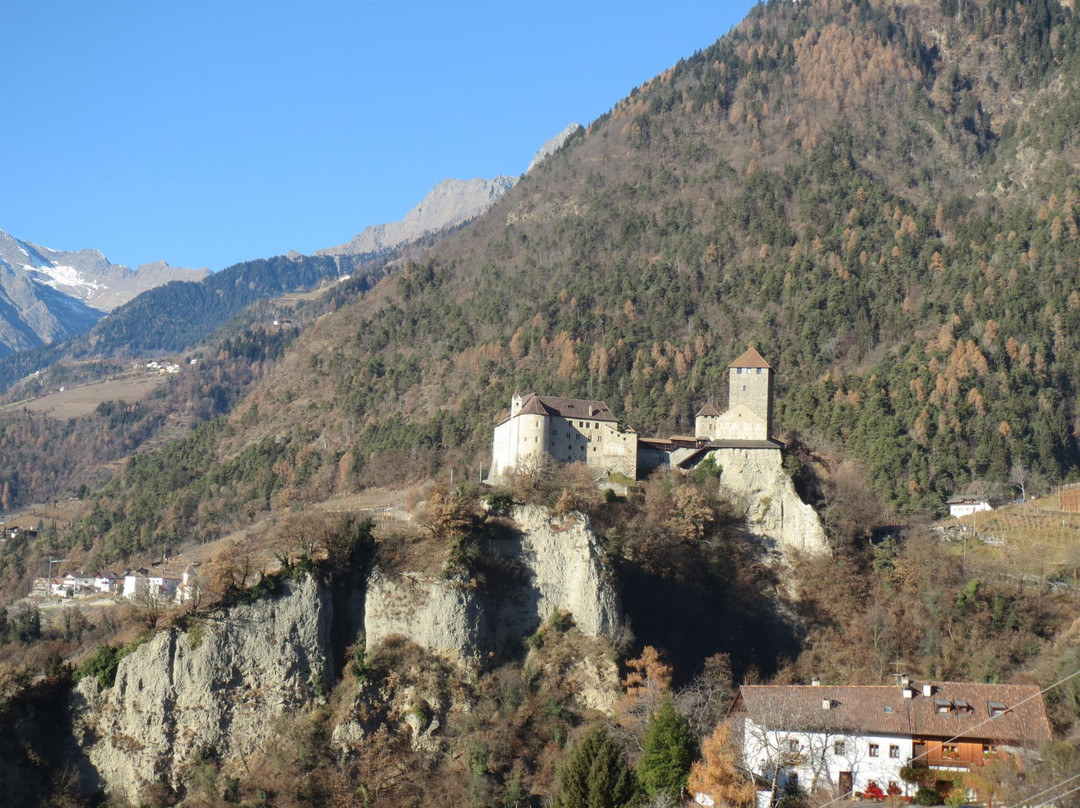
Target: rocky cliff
(756, 479)
(561, 567)
(212, 690)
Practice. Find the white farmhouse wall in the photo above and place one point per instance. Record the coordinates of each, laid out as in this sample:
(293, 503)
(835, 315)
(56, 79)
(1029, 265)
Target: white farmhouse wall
(819, 761)
(959, 509)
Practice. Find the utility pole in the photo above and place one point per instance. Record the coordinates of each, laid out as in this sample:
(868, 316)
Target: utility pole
(48, 582)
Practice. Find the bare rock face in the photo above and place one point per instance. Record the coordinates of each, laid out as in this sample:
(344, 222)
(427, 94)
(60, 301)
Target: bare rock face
(553, 145)
(756, 478)
(449, 203)
(567, 571)
(442, 616)
(216, 687)
(562, 566)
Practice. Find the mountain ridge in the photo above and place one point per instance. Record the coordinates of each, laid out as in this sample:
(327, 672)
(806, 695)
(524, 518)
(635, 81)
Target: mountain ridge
(48, 295)
(449, 203)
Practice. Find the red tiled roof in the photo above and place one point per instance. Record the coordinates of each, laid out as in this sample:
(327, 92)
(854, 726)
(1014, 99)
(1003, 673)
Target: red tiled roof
(708, 411)
(533, 404)
(882, 709)
(750, 359)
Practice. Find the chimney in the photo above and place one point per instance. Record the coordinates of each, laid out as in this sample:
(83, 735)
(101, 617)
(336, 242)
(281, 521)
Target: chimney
(908, 692)
(905, 680)
(826, 704)
(928, 690)
(815, 682)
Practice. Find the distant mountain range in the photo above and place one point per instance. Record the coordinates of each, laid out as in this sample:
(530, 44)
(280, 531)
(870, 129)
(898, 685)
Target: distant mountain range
(46, 294)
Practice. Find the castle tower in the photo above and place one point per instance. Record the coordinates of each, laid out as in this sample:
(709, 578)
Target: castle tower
(750, 387)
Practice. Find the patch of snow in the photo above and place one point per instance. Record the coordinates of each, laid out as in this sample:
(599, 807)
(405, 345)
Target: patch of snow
(65, 276)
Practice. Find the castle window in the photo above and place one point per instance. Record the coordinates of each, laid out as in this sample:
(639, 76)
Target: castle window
(759, 371)
(739, 371)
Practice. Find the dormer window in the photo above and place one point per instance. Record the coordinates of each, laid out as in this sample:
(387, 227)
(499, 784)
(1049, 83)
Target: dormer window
(943, 706)
(961, 706)
(995, 708)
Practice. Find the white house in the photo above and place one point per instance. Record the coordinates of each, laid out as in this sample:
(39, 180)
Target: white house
(107, 582)
(159, 583)
(842, 738)
(75, 583)
(966, 505)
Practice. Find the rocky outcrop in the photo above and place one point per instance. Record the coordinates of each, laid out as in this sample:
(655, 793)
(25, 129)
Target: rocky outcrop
(755, 479)
(566, 570)
(554, 144)
(440, 615)
(214, 690)
(449, 203)
(562, 568)
(215, 687)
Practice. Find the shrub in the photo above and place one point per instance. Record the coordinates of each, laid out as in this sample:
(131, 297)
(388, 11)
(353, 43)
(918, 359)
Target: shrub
(500, 502)
(873, 792)
(927, 796)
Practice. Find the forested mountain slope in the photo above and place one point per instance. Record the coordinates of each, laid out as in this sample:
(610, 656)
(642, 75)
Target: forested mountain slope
(179, 314)
(882, 197)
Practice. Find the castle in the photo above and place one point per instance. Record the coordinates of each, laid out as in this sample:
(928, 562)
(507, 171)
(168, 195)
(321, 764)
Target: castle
(572, 430)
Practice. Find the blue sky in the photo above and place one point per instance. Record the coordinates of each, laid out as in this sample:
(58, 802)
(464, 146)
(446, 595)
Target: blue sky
(209, 133)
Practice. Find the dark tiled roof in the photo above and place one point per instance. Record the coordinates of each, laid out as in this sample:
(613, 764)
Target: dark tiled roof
(882, 709)
(708, 411)
(533, 404)
(750, 359)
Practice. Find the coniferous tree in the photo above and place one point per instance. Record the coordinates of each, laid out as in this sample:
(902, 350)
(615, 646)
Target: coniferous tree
(595, 774)
(668, 752)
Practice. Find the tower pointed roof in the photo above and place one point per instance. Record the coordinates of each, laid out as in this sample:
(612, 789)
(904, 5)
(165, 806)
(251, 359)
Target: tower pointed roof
(708, 411)
(750, 359)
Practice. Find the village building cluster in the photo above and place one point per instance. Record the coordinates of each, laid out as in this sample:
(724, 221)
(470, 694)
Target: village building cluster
(163, 368)
(161, 584)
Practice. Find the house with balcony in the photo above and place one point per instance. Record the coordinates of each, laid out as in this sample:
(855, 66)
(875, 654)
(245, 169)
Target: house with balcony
(841, 738)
